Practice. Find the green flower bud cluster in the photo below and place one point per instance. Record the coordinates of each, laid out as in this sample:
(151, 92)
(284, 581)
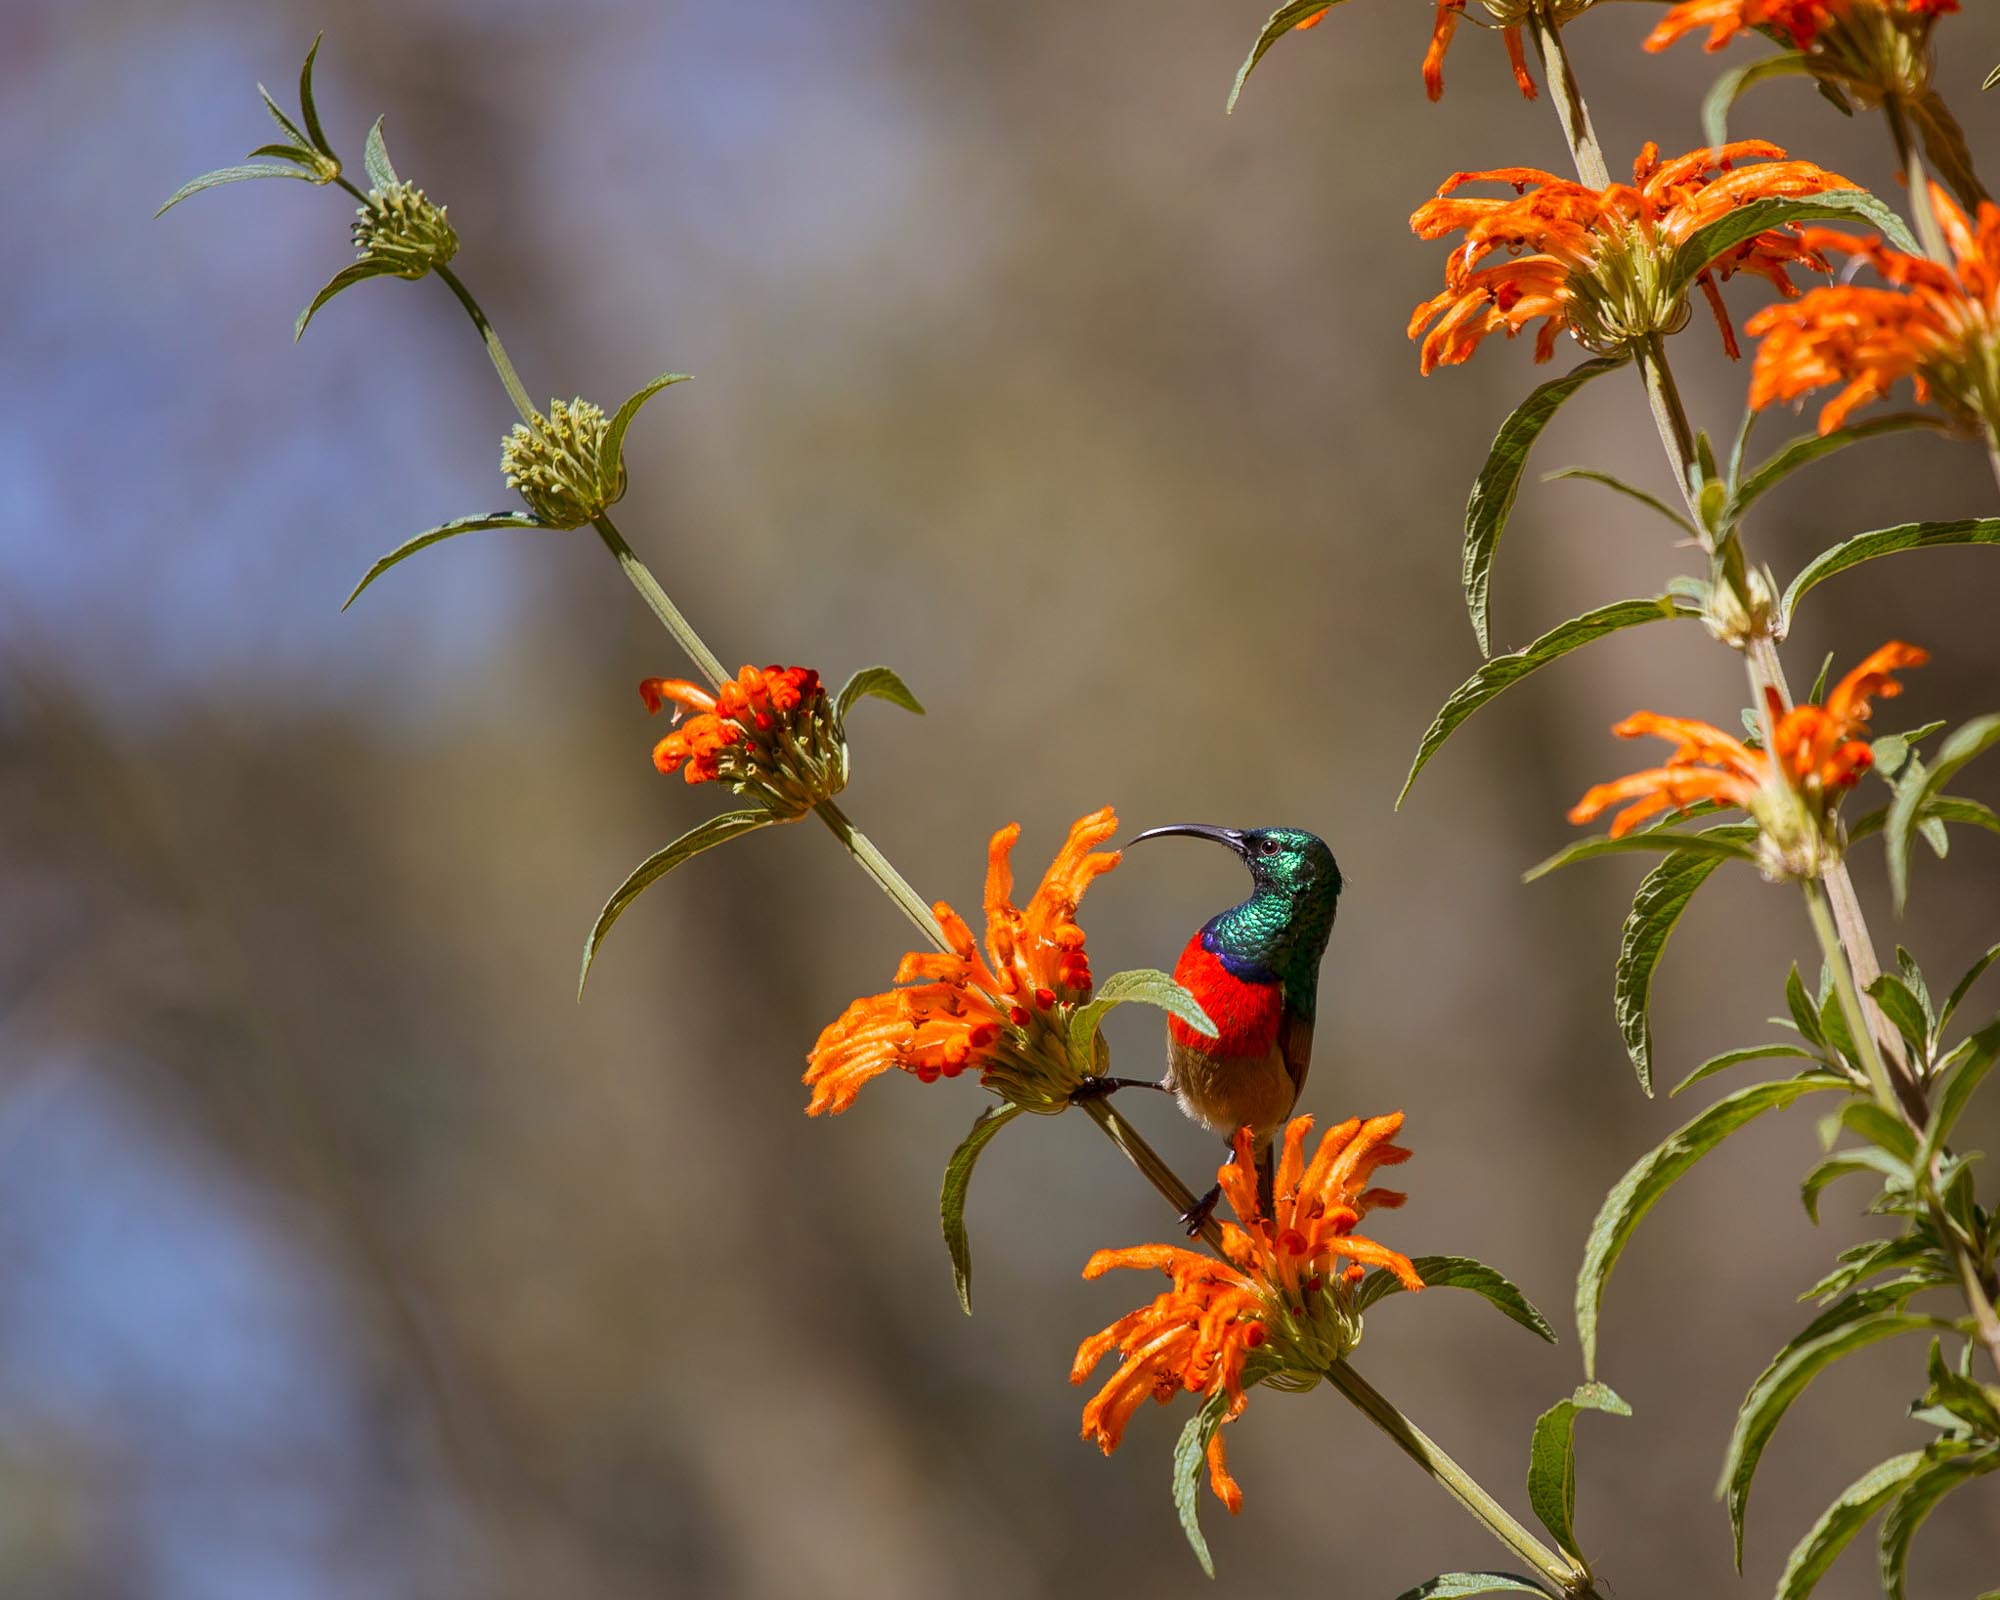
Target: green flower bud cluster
(556, 462)
(400, 229)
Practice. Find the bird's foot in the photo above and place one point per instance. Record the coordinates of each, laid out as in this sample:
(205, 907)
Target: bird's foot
(1095, 1088)
(1195, 1218)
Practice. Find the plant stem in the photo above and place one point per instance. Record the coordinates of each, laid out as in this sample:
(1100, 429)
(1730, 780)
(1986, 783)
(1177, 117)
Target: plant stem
(878, 866)
(642, 579)
(1850, 999)
(1569, 1577)
(1569, 101)
(1918, 180)
(510, 380)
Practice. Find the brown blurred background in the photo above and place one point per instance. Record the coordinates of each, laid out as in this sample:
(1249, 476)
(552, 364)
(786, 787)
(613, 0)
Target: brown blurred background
(343, 1254)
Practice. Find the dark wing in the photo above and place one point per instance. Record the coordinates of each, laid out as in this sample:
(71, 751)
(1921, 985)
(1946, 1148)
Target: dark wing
(1295, 1044)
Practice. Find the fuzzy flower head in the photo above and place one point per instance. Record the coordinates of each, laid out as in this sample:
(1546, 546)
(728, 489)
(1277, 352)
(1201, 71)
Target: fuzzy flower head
(1937, 325)
(1280, 1310)
(769, 733)
(1792, 792)
(1872, 49)
(1602, 263)
(1509, 16)
(1004, 1012)
(402, 229)
(556, 463)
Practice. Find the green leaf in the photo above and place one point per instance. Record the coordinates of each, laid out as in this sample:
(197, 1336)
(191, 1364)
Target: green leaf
(1717, 842)
(222, 175)
(1990, 79)
(1636, 1193)
(1732, 84)
(1736, 1058)
(1499, 480)
(1783, 1382)
(1459, 1585)
(1864, 1260)
(1279, 23)
(1892, 750)
(1701, 248)
(1630, 491)
(715, 831)
(291, 129)
(311, 112)
(1956, 1088)
(430, 536)
(1663, 895)
(1189, 1455)
(375, 157)
(1964, 985)
(1149, 987)
(1883, 542)
(951, 1197)
(1883, 1129)
(345, 278)
(1959, 1397)
(1459, 1272)
(1966, 742)
(1799, 452)
(1904, 1009)
(1503, 672)
(880, 682)
(611, 450)
(1941, 1474)
(1841, 1521)
(295, 153)
(1552, 1462)
(1804, 1017)
(1879, 1162)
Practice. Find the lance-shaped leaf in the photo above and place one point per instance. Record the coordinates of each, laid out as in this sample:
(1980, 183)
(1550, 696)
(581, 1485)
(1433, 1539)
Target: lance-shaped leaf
(1711, 842)
(1948, 1466)
(1915, 793)
(1460, 1272)
(1552, 1460)
(1460, 1585)
(1901, 1006)
(1745, 222)
(1189, 1454)
(1887, 541)
(715, 831)
(611, 450)
(880, 682)
(1276, 26)
(1730, 87)
(1950, 156)
(1145, 985)
(1637, 1192)
(1964, 985)
(1631, 491)
(1969, 1065)
(1663, 895)
(1811, 447)
(1499, 481)
(1866, 1159)
(1502, 672)
(951, 1197)
(345, 278)
(236, 174)
(431, 536)
(1783, 1382)
(375, 157)
(1736, 1058)
(1841, 1521)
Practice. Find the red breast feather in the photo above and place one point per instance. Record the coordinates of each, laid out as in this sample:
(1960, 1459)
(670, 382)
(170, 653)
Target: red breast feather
(1246, 1015)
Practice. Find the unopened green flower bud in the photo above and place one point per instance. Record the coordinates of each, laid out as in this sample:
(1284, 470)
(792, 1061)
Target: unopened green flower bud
(1736, 619)
(402, 230)
(554, 462)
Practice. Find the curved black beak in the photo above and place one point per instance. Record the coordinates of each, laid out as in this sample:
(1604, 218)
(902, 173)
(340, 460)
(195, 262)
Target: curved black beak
(1234, 838)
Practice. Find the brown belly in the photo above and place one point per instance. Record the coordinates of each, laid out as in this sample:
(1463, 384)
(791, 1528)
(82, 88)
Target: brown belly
(1227, 1093)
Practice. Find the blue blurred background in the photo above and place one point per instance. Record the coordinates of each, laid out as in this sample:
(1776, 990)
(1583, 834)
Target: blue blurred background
(343, 1254)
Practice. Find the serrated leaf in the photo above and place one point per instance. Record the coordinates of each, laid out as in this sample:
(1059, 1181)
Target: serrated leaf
(1726, 90)
(611, 449)
(1864, 1260)
(1736, 1058)
(345, 278)
(1663, 895)
(715, 831)
(1504, 671)
(311, 112)
(1811, 447)
(1956, 1087)
(1901, 1006)
(1711, 842)
(1841, 1521)
(1651, 1176)
(375, 157)
(1783, 1382)
(431, 536)
(1964, 985)
(1499, 480)
(1276, 26)
(1966, 742)
(1552, 1460)
(1460, 1585)
(1701, 248)
(222, 175)
(1879, 1162)
(1147, 986)
(951, 1195)
(880, 682)
(1190, 1452)
(1459, 1272)
(1883, 542)
(1941, 1474)
(1629, 490)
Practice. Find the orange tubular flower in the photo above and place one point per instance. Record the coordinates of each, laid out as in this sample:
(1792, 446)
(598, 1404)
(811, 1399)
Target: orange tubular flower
(769, 733)
(1005, 1015)
(1939, 327)
(1873, 47)
(1600, 263)
(1794, 801)
(1508, 16)
(1280, 1310)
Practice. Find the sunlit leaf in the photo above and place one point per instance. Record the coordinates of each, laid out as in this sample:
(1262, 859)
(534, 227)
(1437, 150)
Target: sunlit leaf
(1956, 1086)
(1965, 742)
(1736, 1058)
(1841, 1521)
(375, 157)
(222, 175)
(310, 111)
(1809, 448)
(1148, 987)
(611, 449)
(1867, 1159)
(1904, 1009)
(1276, 26)
(1461, 1585)
(1552, 1460)
(1882, 542)
(1947, 1466)
(1630, 491)
(1726, 90)
(880, 682)
(1745, 222)
(1662, 896)
(1189, 1455)
(1712, 842)
(715, 831)
(1459, 1272)
(951, 1197)
(345, 278)
(431, 536)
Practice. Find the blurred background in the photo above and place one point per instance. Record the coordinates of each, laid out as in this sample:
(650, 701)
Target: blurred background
(342, 1253)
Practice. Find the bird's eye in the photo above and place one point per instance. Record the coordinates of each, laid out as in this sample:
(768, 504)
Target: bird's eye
(1268, 847)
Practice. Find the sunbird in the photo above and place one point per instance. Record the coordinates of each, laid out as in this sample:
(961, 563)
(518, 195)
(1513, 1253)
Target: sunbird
(1255, 970)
